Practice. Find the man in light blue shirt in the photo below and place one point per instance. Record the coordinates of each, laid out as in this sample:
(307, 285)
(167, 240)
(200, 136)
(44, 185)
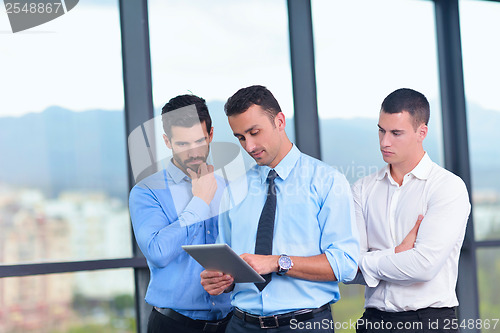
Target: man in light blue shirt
(314, 242)
(178, 206)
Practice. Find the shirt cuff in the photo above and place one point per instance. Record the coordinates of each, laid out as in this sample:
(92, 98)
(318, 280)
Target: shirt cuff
(369, 266)
(381, 253)
(196, 211)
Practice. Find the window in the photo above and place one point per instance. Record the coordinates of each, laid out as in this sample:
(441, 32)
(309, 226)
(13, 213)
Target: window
(488, 273)
(89, 301)
(211, 50)
(63, 175)
(360, 59)
(481, 77)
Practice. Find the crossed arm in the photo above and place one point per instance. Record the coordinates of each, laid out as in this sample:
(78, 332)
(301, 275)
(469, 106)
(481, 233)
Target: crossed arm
(420, 256)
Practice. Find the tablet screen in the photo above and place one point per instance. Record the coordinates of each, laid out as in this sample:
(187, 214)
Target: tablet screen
(220, 257)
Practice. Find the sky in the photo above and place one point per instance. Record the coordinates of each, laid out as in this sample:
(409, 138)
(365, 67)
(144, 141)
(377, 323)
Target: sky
(364, 49)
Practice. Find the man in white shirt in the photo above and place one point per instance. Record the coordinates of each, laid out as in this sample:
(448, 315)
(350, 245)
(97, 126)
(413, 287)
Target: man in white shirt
(410, 269)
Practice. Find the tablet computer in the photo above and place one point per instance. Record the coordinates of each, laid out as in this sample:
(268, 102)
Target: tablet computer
(220, 257)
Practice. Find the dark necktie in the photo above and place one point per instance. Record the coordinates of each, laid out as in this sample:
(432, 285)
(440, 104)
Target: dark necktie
(264, 240)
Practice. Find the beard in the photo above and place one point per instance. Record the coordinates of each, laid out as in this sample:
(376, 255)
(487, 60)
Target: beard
(187, 164)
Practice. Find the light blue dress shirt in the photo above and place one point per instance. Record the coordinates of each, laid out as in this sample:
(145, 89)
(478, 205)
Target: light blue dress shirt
(314, 215)
(165, 216)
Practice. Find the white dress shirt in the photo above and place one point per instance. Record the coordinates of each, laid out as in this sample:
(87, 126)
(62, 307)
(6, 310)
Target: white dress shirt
(426, 275)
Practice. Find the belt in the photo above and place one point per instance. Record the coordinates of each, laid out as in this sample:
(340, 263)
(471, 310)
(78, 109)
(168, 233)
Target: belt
(416, 315)
(281, 319)
(205, 325)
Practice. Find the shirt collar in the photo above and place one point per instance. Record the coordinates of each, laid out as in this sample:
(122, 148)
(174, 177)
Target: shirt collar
(284, 167)
(423, 168)
(421, 171)
(175, 173)
(385, 171)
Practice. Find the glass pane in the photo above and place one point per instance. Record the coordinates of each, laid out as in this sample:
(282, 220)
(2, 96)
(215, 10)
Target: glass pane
(360, 59)
(98, 301)
(63, 176)
(349, 309)
(211, 50)
(482, 80)
(488, 274)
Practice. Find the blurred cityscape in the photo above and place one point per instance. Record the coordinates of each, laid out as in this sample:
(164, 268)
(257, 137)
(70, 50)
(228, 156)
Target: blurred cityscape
(70, 227)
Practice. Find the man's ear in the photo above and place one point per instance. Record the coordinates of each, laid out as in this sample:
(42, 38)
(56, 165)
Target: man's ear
(280, 121)
(211, 135)
(167, 141)
(422, 132)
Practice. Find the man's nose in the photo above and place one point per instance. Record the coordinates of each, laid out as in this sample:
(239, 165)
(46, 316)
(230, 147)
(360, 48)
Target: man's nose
(385, 140)
(250, 145)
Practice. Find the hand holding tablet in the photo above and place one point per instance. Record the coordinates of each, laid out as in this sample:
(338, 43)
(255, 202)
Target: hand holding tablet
(220, 257)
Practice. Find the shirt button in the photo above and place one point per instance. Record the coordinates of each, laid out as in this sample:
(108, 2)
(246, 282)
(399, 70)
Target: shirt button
(267, 295)
(208, 232)
(213, 303)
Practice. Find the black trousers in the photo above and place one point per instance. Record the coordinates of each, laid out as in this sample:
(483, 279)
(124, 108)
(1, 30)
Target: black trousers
(159, 323)
(428, 320)
(322, 322)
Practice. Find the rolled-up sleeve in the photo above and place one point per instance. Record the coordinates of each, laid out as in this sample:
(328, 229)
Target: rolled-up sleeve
(339, 238)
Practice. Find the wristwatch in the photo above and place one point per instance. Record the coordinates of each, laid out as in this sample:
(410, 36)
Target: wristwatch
(284, 264)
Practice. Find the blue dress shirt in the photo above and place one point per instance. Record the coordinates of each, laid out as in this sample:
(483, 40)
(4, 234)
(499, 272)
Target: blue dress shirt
(314, 215)
(165, 215)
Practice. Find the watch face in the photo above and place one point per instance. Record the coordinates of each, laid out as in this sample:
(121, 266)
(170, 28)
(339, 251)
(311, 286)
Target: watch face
(285, 262)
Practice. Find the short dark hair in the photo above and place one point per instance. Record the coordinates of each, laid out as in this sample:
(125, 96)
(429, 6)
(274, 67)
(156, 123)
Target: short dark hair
(244, 98)
(408, 100)
(185, 119)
